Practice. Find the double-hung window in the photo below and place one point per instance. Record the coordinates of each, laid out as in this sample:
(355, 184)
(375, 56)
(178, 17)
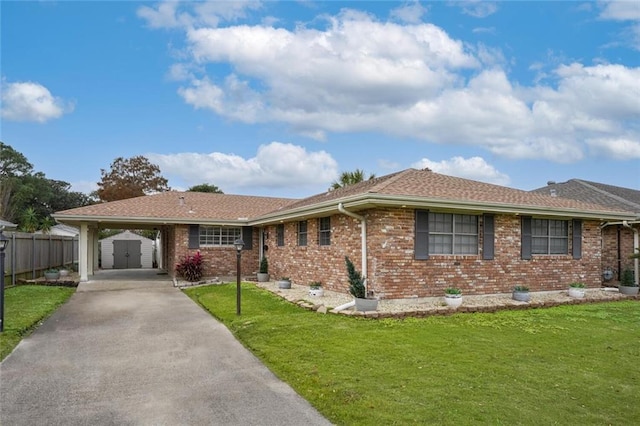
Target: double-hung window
(549, 236)
(219, 235)
(324, 231)
(302, 233)
(453, 233)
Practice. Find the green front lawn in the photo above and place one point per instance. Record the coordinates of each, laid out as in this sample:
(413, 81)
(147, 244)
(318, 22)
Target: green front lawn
(25, 307)
(564, 365)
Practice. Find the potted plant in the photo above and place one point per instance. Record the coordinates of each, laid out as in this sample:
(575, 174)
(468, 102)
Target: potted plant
(284, 283)
(263, 275)
(627, 286)
(358, 290)
(453, 297)
(577, 289)
(51, 274)
(521, 293)
(315, 289)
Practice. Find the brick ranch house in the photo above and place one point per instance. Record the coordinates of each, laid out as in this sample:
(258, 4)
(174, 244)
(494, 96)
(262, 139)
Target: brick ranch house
(412, 234)
(619, 238)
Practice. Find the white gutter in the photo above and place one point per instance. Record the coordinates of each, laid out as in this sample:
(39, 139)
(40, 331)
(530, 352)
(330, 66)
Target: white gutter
(363, 236)
(636, 244)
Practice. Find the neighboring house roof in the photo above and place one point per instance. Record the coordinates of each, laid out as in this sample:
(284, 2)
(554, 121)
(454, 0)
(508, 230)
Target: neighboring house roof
(62, 229)
(426, 189)
(409, 188)
(593, 192)
(8, 225)
(176, 207)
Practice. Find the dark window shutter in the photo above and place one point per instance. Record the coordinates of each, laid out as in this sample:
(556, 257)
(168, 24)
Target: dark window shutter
(526, 237)
(421, 245)
(194, 236)
(577, 239)
(247, 237)
(488, 236)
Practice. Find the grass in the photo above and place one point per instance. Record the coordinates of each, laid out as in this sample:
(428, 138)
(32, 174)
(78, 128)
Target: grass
(25, 308)
(565, 365)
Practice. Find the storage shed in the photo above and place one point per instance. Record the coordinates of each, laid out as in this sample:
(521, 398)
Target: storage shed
(126, 250)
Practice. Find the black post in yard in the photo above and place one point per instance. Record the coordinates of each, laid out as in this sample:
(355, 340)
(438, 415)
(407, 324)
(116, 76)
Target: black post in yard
(3, 245)
(238, 244)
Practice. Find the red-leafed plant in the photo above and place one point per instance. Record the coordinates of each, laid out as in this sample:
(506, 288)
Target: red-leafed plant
(190, 267)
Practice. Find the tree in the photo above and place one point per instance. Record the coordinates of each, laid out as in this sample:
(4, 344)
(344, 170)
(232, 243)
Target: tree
(205, 187)
(131, 177)
(350, 178)
(13, 166)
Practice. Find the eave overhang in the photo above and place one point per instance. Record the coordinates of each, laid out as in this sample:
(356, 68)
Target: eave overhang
(369, 200)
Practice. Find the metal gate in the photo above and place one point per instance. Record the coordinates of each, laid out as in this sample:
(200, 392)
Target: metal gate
(127, 254)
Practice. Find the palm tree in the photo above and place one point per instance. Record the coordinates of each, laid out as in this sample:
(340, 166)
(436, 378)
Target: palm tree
(349, 178)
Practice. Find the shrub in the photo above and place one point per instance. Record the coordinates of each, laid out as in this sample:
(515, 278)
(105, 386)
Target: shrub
(264, 266)
(452, 290)
(315, 285)
(356, 280)
(190, 267)
(577, 285)
(627, 278)
(521, 288)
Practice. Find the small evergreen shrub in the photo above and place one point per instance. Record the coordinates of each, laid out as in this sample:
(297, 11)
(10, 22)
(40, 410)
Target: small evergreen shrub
(356, 280)
(190, 267)
(627, 278)
(264, 266)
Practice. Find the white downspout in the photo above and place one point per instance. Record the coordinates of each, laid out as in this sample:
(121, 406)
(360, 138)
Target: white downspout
(363, 235)
(636, 244)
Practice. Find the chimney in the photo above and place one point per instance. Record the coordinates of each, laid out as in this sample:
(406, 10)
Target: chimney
(181, 201)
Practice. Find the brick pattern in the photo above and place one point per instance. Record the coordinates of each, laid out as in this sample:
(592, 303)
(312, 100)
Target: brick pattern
(394, 273)
(217, 261)
(617, 246)
(392, 270)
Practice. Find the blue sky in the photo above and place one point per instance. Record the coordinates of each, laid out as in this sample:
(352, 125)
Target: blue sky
(277, 98)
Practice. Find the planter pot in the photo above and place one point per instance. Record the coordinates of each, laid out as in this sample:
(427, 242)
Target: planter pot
(64, 273)
(521, 296)
(284, 284)
(365, 305)
(578, 293)
(263, 277)
(316, 292)
(453, 300)
(628, 290)
(51, 276)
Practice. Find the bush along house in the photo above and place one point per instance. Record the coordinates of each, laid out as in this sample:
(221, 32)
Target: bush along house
(412, 234)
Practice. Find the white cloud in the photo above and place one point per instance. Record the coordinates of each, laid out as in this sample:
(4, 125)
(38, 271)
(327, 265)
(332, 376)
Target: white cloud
(414, 81)
(174, 14)
(410, 12)
(475, 168)
(28, 101)
(618, 149)
(478, 8)
(275, 165)
(620, 10)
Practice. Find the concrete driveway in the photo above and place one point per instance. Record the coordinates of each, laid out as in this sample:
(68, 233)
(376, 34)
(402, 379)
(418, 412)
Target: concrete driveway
(140, 352)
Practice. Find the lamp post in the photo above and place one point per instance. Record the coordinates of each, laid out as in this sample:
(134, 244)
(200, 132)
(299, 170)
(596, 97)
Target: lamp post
(238, 244)
(3, 245)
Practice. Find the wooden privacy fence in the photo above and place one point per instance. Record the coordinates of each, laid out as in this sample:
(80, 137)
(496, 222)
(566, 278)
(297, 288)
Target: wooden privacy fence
(28, 255)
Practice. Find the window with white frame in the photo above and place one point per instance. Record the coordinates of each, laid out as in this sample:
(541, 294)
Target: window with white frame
(219, 235)
(324, 231)
(302, 233)
(549, 236)
(453, 233)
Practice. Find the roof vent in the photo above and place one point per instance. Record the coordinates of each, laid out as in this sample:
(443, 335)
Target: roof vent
(551, 182)
(181, 201)
(553, 192)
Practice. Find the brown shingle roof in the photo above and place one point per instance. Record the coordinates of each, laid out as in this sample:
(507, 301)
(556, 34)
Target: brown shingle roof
(427, 185)
(194, 205)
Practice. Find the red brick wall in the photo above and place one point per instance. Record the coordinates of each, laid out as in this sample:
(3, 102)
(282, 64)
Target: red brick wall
(618, 260)
(394, 273)
(217, 261)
